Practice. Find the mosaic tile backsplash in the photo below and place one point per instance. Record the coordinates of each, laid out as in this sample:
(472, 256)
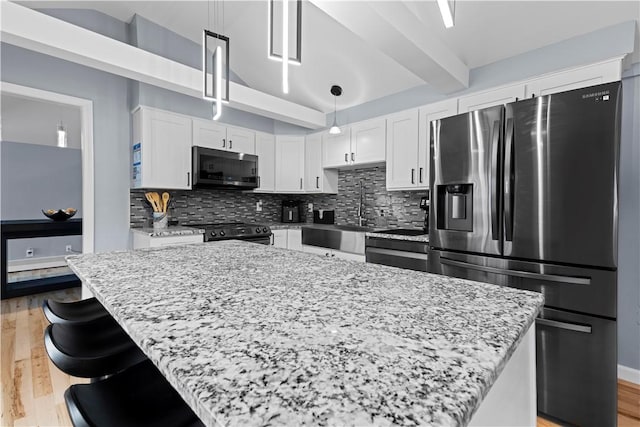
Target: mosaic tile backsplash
(381, 207)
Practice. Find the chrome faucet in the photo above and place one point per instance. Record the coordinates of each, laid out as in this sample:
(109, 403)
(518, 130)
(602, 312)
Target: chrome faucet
(361, 206)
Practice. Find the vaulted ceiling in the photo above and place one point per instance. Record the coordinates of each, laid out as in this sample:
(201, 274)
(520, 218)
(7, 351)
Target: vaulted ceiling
(402, 44)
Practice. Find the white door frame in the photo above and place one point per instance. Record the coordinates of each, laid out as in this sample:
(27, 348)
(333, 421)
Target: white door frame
(86, 139)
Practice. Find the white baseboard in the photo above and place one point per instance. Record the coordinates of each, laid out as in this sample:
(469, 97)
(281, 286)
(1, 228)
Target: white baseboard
(629, 374)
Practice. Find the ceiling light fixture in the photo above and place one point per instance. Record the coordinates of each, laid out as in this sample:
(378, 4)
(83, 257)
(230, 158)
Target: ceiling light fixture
(285, 46)
(62, 136)
(445, 11)
(285, 38)
(212, 51)
(335, 91)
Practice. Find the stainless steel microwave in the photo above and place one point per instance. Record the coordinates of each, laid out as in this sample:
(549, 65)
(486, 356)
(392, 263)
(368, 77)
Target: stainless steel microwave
(218, 168)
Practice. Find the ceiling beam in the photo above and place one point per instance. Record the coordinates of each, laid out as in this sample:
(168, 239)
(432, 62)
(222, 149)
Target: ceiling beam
(394, 29)
(29, 29)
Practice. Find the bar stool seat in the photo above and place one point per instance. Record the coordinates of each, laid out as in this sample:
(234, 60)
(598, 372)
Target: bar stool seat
(137, 397)
(91, 350)
(82, 311)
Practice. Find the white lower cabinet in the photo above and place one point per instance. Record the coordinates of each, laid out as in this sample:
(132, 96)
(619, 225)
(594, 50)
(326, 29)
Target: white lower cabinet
(287, 239)
(332, 253)
(141, 240)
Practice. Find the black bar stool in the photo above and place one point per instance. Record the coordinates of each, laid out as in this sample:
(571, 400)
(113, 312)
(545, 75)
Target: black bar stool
(82, 311)
(91, 350)
(137, 397)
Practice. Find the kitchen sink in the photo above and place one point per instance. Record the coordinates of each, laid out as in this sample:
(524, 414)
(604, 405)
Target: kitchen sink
(361, 228)
(346, 238)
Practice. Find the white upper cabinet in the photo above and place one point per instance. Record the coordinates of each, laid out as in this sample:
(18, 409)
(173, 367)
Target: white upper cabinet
(402, 150)
(161, 150)
(428, 113)
(289, 164)
(591, 75)
(362, 143)
(317, 179)
(210, 134)
(368, 142)
(490, 98)
(266, 152)
(336, 148)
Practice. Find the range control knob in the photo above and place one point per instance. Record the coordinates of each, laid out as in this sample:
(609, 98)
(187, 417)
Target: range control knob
(213, 234)
(265, 229)
(222, 233)
(258, 230)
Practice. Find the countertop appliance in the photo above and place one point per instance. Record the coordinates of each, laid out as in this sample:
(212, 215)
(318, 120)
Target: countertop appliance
(525, 195)
(324, 216)
(255, 233)
(216, 168)
(408, 254)
(291, 210)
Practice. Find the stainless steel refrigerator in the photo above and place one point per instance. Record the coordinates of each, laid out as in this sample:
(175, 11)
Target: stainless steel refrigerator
(526, 195)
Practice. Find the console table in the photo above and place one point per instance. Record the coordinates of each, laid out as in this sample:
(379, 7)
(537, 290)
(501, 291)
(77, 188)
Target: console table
(20, 229)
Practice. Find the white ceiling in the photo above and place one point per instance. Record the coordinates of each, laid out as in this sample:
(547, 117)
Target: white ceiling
(484, 32)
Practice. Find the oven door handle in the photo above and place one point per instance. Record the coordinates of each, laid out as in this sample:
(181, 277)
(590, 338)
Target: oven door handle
(518, 273)
(564, 325)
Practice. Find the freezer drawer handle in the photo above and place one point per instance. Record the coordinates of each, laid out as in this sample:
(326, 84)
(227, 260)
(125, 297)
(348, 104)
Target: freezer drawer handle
(518, 273)
(564, 325)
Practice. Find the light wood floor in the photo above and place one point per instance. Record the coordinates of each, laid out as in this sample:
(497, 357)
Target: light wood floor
(33, 388)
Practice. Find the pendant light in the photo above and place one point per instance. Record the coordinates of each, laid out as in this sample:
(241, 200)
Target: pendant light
(215, 42)
(62, 136)
(445, 11)
(284, 56)
(335, 91)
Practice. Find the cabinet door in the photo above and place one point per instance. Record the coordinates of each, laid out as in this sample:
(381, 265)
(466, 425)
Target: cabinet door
(207, 133)
(313, 171)
(336, 149)
(436, 111)
(279, 238)
(402, 150)
(266, 151)
(166, 150)
(368, 142)
(294, 239)
(241, 140)
(490, 98)
(289, 164)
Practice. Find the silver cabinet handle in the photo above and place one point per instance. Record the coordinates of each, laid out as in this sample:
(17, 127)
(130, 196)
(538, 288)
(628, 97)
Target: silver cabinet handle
(518, 273)
(224, 143)
(353, 157)
(230, 144)
(317, 182)
(301, 183)
(346, 157)
(564, 325)
(420, 175)
(188, 179)
(413, 176)
(273, 239)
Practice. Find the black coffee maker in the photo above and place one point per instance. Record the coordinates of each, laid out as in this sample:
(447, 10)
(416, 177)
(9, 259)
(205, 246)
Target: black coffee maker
(291, 211)
(424, 205)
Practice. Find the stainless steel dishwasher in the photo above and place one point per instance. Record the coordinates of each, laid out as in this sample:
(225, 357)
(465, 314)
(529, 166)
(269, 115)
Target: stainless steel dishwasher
(407, 248)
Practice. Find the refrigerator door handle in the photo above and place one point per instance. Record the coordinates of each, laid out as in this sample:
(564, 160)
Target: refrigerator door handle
(518, 273)
(495, 224)
(508, 190)
(564, 325)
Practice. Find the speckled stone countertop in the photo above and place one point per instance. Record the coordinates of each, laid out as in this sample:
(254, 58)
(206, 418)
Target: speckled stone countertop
(419, 238)
(286, 226)
(254, 335)
(169, 231)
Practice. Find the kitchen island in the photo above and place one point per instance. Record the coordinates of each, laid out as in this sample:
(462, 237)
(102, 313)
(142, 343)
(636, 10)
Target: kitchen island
(254, 335)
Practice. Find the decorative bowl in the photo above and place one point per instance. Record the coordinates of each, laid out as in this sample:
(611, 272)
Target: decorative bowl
(60, 214)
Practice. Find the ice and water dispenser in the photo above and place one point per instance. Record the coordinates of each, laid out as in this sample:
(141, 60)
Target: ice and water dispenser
(455, 207)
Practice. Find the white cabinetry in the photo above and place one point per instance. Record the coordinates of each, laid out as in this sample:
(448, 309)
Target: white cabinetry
(266, 152)
(402, 150)
(316, 178)
(591, 75)
(287, 239)
(161, 150)
(210, 134)
(289, 164)
(332, 253)
(428, 113)
(141, 240)
(362, 143)
(499, 96)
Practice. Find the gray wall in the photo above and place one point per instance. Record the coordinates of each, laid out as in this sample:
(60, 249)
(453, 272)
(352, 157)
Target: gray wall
(629, 223)
(35, 177)
(36, 122)
(111, 128)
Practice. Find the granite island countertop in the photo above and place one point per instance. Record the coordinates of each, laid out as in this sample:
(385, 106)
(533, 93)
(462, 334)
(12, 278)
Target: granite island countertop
(254, 335)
